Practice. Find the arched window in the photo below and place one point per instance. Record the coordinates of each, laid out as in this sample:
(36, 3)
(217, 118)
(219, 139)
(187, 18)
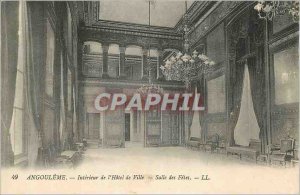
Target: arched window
(91, 47)
(153, 62)
(133, 62)
(92, 59)
(113, 60)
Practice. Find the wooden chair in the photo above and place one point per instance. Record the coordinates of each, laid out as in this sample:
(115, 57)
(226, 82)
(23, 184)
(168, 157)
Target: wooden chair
(194, 142)
(295, 160)
(212, 143)
(221, 146)
(284, 153)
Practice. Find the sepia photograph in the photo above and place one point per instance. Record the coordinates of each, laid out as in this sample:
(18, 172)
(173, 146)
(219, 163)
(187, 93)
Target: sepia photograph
(149, 97)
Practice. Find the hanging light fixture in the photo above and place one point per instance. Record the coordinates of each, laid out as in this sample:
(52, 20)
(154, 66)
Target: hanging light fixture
(270, 9)
(150, 87)
(185, 66)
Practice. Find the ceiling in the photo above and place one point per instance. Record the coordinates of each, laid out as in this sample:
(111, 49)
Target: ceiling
(164, 13)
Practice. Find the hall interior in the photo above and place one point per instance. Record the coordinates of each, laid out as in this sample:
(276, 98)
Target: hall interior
(58, 56)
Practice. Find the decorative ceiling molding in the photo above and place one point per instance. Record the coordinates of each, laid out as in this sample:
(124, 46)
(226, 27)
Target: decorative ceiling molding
(91, 19)
(284, 39)
(195, 12)
(212, 18)
(125, 38)
(137, 29)
(128, 83)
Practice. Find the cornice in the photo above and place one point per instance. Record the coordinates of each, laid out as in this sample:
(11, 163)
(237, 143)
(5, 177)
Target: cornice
(217, 13)
(130, 84)
(283, 39)
(136, 29)
(135, 32)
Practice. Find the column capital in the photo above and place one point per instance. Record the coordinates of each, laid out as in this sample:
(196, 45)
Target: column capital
(145, 51)
(122, 48)
(105, 47)
(160, 51)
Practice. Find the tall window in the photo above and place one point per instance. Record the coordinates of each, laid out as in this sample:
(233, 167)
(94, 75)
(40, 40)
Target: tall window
(92, 59)
(133, 62)
(286, 71)
(17, 130)
(113, 60)
(49, 60)
(69, 29)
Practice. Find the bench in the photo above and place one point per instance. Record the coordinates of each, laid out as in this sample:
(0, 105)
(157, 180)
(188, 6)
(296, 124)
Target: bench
(68, 158)
(252, 151)
(194, 142)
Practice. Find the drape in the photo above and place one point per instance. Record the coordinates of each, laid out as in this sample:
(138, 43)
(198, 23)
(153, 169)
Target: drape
(32, 81)
(75, 133)
(9, 56)
(247, 127)
(62, 123)
(257, 82)
(195, 127)
(35, 54)
(188, 115)
(35, 62)
(201, 90)
(237, 87)
(244, 33)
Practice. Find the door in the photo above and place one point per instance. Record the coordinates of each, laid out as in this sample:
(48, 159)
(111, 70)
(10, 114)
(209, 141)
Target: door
(93, 125)
(127, 127)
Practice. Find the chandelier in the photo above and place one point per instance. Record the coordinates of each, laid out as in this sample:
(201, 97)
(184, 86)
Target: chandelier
(269, 9)
(186, 67)
(149, 88)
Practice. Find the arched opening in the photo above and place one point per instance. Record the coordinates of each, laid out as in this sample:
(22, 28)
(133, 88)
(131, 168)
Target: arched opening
(92, 59)
(113, 60)
(133, 62)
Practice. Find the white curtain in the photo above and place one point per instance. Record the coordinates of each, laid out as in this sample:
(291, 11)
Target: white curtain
(195, 126)
(62, 103)
(247, 127)
(76, 136)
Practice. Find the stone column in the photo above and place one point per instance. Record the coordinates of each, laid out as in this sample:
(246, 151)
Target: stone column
(122, 62)
(160, 62)
(145, 64)
(105, 47)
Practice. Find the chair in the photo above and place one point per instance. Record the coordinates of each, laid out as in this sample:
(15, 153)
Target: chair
(284, 153)
(221, 146)
(212, 143)
(295, 160)
(194, 142)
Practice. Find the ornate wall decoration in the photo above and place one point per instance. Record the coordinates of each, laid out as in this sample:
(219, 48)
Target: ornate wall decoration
(216, 16)
(128, 38)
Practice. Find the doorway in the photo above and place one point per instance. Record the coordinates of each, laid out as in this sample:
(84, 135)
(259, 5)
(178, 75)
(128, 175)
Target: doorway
(93, 126)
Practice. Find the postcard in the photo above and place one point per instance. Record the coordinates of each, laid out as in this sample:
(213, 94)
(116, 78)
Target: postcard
(149, 97)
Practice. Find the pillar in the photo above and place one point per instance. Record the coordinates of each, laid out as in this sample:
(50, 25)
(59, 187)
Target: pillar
(160, 75)
(145, 64)
(122, 62)
(105, 47)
